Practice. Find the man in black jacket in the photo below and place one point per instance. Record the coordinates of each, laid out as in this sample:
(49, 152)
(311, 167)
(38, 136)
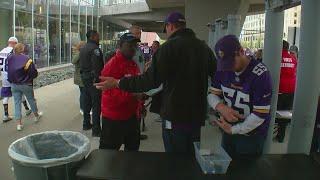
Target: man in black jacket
(91, 64)
(183, 65)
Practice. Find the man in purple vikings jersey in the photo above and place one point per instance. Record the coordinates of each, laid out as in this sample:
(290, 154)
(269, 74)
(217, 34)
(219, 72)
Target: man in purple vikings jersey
(241, 92)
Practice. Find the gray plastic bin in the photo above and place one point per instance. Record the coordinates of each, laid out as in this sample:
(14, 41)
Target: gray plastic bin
(52, 155)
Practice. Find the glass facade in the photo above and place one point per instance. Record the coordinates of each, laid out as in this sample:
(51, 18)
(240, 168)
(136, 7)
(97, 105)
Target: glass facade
(116, 2)
(49, 28)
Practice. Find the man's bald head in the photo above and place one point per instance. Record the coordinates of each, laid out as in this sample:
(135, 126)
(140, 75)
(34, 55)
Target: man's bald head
(136, 31)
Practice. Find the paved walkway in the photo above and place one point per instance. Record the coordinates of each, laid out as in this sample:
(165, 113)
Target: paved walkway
(59, 103)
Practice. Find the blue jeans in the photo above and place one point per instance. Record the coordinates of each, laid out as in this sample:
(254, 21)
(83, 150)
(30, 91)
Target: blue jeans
(241, 145)
(178, 140)
(18, 91)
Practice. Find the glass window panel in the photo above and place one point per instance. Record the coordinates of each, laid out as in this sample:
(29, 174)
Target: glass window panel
(40, 33)
(54, 33)
(75, 36)
(89, 17)
(65, 31)
(83, 21)
(24, 25)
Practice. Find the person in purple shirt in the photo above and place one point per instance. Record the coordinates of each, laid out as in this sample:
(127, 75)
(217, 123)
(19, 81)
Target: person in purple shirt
(21, 72)
(241, 92)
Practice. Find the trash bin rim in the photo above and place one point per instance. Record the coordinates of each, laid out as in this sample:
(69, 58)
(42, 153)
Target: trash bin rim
(53, 161)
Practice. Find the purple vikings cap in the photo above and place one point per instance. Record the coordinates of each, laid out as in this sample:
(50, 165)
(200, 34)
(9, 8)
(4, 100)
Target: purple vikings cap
(174, 17)
(225, 50)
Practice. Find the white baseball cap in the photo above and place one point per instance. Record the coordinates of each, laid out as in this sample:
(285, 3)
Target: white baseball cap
(13, 39)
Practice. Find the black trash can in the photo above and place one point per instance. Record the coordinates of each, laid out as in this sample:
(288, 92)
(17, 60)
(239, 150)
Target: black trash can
(53, 155)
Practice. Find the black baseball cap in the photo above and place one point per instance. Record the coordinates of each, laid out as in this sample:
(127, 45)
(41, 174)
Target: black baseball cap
(129, 37)
(174, 17)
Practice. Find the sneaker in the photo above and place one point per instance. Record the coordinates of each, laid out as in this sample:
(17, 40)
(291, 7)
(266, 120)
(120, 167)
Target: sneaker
(81, 112)
(37, 118)
(6, 119)
(19, 127)
(28, 112)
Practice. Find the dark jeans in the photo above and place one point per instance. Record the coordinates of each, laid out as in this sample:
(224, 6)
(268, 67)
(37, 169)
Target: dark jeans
(81, 98)
(241, 145)
(180, 140)
(285, 101)
(91, 101)
(115, 133)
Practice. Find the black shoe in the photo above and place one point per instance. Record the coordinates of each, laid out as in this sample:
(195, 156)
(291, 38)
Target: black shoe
(96, 134)
(86, 128)
(143, 137)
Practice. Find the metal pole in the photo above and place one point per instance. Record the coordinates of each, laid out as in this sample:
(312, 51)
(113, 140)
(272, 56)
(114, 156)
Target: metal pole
(98, 14)
(47, 35)
(272, 59)
(32, 28)
(70, 30)
(307, 91)
(92, 8)
(14, 18)
(86, 18)
(79, 15)
(60, 55)
(102, 36)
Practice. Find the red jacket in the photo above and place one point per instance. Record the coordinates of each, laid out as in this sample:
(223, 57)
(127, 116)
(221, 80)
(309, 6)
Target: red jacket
(288, 73)
(117, 104)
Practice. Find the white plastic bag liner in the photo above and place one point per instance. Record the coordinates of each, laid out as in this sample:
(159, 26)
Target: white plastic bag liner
(51, 148)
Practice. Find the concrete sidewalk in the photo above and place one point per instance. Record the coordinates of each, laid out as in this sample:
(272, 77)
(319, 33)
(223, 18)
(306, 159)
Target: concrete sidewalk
(59, 103)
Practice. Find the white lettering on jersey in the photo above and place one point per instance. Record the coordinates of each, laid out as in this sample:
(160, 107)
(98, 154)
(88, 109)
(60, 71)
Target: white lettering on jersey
(4, 53)
(230, 94)
(287, 65)
(287, 60)
(259, 69)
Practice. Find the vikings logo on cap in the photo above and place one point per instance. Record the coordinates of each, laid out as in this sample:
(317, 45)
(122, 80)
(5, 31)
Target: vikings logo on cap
(220, 54)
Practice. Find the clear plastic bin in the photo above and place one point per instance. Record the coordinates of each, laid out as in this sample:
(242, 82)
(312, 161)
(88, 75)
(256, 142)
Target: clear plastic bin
(216, 163)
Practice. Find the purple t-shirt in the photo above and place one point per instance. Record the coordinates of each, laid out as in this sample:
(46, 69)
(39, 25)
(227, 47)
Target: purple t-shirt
(247, 92)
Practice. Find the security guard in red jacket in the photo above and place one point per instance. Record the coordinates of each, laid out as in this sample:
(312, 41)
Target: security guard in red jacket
(287, 79)
(119, 108)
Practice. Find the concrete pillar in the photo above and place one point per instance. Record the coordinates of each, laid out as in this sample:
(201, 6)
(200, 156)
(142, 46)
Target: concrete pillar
(200, 13)
(272, 59)
(234, 26)
(218, 30)
(215, 33)
(242, 11)
(308, 81)
(211, 40)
